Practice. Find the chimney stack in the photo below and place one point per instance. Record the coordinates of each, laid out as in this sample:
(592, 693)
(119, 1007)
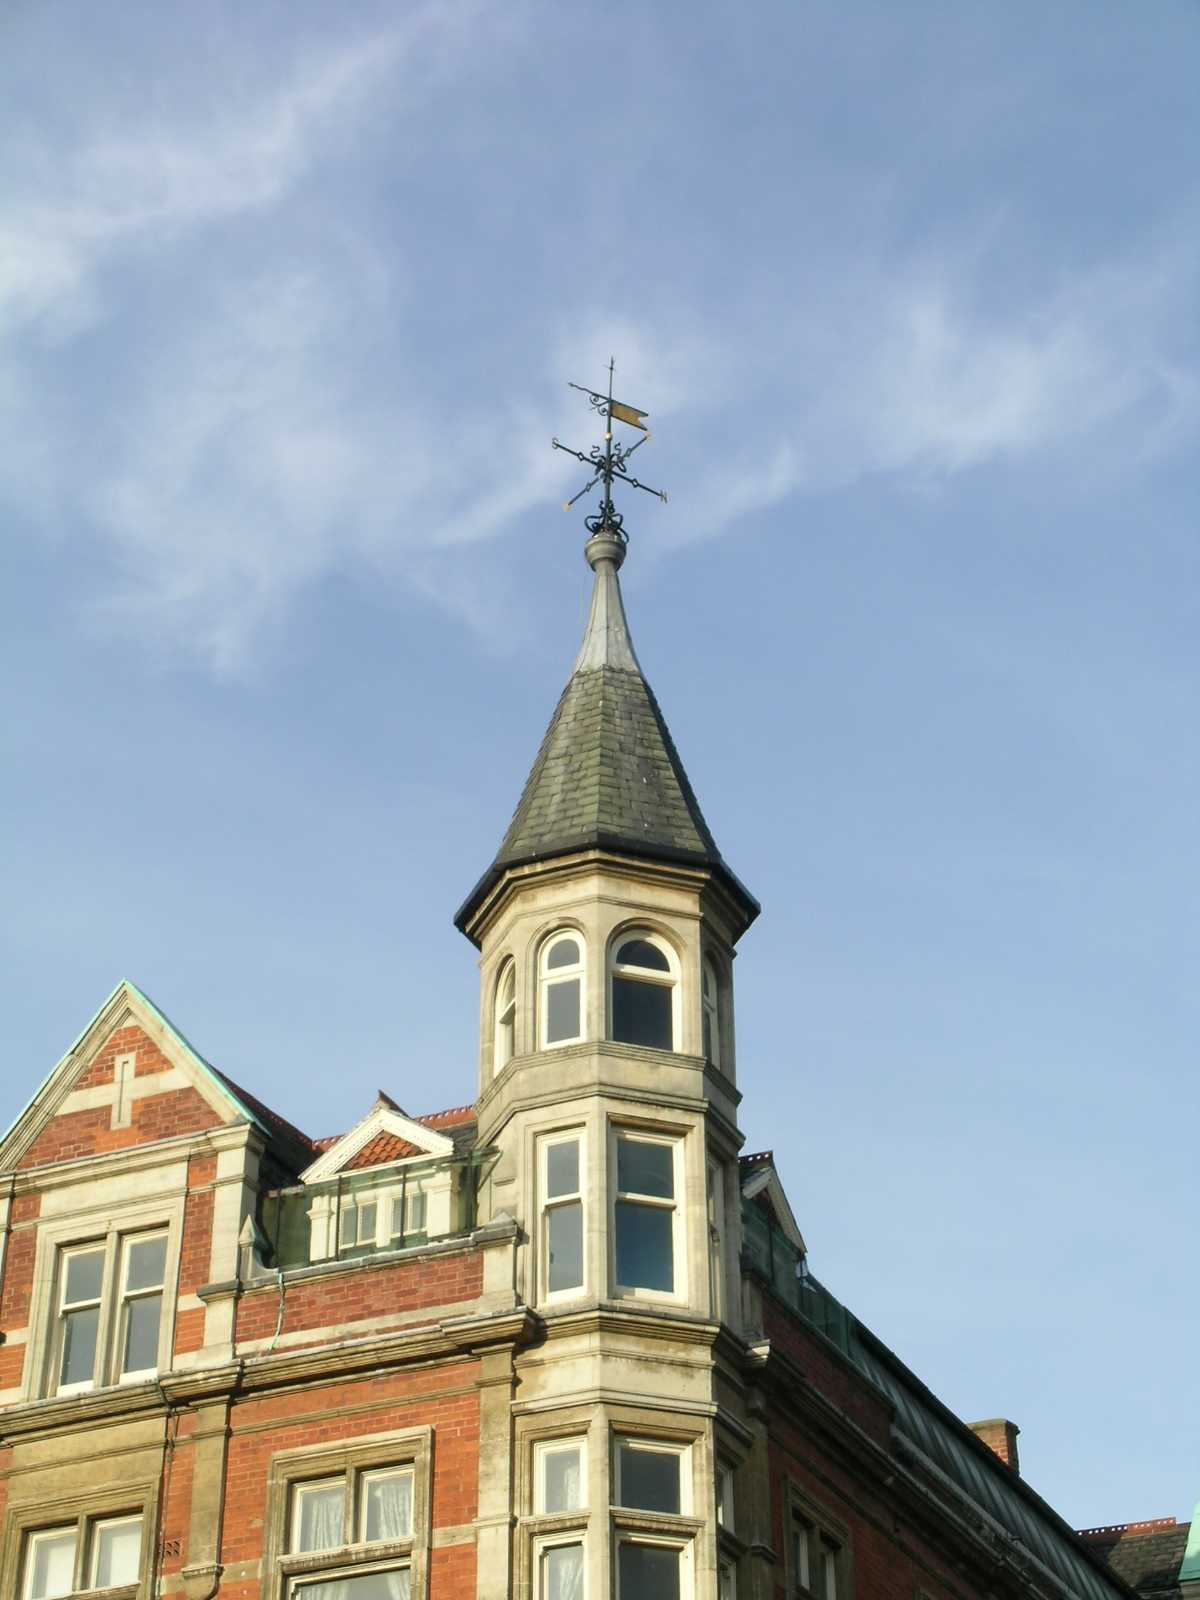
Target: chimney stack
(1000, 1436)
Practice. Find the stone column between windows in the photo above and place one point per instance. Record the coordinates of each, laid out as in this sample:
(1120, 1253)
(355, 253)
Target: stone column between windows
(209, 1442)
(761, 1557)
(493, 1522)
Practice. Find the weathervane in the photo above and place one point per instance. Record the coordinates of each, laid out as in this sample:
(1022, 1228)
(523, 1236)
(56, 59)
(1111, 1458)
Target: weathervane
(607, 461)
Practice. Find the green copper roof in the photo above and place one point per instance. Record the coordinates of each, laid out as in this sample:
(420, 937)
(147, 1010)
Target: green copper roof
(607, 775)
(1190, 1567)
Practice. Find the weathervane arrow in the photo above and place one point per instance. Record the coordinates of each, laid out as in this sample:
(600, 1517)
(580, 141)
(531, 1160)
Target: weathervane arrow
(607, 462)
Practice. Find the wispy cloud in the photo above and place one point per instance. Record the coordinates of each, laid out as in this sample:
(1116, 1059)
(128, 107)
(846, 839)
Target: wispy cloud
(286, 417)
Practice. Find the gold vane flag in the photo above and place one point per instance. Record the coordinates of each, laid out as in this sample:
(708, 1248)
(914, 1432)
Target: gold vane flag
(629, 414)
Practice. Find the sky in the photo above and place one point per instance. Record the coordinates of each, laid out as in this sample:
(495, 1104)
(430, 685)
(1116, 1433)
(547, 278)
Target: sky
(290, 296)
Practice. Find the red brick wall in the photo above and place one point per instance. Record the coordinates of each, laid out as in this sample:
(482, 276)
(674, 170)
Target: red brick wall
(17, 1289)
(345, 1411)
(809, 1351)
(372, 1291)
(159, 1116)
(196, 1250)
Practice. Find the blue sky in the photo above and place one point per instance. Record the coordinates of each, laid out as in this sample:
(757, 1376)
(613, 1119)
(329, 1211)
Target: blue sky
(289, 297)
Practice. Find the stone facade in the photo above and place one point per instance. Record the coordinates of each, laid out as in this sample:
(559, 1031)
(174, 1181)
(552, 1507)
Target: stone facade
(559, 1343)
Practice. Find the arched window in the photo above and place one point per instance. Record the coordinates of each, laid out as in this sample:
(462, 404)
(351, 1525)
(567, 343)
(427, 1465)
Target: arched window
(506, 1017)
(711, 1001)
(643, 992)
(560, 989)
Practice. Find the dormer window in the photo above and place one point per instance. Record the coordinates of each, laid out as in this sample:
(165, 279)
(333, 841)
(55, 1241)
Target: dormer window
(711, 1002)
(560, 989)
(506, 1017)
(643, 992)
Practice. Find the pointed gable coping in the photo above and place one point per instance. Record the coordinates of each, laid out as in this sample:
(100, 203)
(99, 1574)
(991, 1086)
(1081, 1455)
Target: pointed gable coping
(381, 1119)
(125, 999)
(762, 1179)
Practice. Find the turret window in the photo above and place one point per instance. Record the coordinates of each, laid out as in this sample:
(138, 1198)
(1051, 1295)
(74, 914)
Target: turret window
(506, 1017)
(645, 1217)
(561, 989)
(711, 999)
(561, 1183)
(643, 992)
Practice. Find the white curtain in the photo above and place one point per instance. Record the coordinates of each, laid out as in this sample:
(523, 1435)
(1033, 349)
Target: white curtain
(53, 1565)
(366, 1586)
(389, 1507)
(563, 1575)
(321, 1519)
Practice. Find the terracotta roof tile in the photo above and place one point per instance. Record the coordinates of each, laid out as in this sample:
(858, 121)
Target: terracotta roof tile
(384, 1147)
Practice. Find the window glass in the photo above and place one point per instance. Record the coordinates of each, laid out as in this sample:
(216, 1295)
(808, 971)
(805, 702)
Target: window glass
(644, 1240)
(561, 1478)
(648, 1478)
(710, 1004)
(85, 1273)
(387, 1499)
(725, 1498)
(562, 1572)
(83, 1277)
(562, 1011)
(319, 1516)
(563, 1206)
(643, 1217)
(50, 1564)
(79, 1347)
(394, 1585)
(641, 953)
(146, 1262)
(562, 1167)
(506, 1012)
(642, 1013)
(141, 1334)
(564, 1244)
(562, 953)
(143, 1266)
(116, 1550)
(645, 1168)
(647, 1572)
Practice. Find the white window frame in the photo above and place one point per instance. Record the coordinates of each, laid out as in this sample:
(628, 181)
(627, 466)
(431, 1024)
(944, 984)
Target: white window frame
(111, 1306)
(658, 1447)
(542, 1543)
(675, 1142)
(549, 976)
(714, 1197)
(710, 1008)
(548, 1203)
(353, 1205)
(813, 1536)
(126, 1295)
(664, 980)
(504, 1024)
(553, 1446)
(682, 1544)
(84, 1531)
(352, 1464)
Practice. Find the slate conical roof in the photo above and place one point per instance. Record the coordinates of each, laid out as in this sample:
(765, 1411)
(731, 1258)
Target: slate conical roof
(607, 775)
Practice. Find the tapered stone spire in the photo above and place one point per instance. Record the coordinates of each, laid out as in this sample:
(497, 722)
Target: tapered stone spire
(607, 775)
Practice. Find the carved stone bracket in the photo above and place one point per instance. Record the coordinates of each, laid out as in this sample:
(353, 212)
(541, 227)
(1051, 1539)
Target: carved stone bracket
(201, 1582)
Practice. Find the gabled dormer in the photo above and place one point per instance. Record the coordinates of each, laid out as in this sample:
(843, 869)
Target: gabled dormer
(391, 1182)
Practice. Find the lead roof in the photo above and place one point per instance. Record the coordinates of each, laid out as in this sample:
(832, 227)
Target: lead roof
(607, 774)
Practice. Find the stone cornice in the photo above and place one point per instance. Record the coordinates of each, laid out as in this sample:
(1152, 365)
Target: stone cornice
(613, 1316)
(446, 1340)
(137, 1158)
